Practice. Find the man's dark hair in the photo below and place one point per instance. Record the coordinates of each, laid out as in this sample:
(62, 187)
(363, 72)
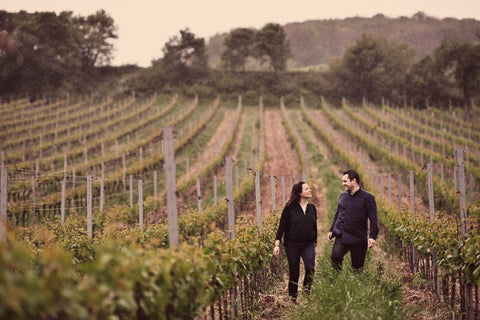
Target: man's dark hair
(352, 174)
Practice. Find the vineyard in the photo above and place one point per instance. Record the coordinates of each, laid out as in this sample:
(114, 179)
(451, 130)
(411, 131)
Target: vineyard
(167, 206)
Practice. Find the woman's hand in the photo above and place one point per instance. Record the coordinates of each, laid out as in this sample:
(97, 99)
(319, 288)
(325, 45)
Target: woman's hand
(276, 250)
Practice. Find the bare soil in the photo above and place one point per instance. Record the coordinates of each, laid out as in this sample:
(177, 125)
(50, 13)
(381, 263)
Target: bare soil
(282, 160)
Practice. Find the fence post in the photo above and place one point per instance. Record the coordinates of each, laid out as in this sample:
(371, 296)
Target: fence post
(131, 190)
(236, 177)
(443, 143)
(199, 196)
(33, 199)
(89, 206)
(37, 167)
(65, 166)
(155, 195)
(283, 190)
(399, 192)
(442, 176)
(389, 189)
(3, 205)
(272, 186)
(215, 199)
(258, 203)
(73, 187)
(412, 210)
(124, 166)
(140, 203)
(470, 184)
(229, 190)
(382, 187)
(85, 154)
(431, 203)
(171, 185)
(102, 186)
(463, 218)
(62, 210)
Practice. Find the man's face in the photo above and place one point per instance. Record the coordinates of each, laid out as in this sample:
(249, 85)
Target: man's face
(348, 184)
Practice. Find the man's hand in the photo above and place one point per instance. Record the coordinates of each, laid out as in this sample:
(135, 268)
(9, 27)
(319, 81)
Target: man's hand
(330, 239)
(371, 243)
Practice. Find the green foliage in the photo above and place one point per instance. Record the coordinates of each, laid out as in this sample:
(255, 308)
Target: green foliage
(461, 60)
(184, 59)
(350, 294)
(239, 44)
(96, 31)
(130, 281)
(315, 42)
(271, 45)
(372, 68)
(47, 52)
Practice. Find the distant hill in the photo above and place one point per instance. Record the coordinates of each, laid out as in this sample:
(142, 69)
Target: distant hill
(313, 43)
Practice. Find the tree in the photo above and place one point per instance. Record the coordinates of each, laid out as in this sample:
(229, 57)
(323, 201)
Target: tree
(97, 30)
(460, 60)
(271, 45)
(426, 84)
(239, 45)
(48, 45)
(372, 68)
(53, 52)
(184, 58)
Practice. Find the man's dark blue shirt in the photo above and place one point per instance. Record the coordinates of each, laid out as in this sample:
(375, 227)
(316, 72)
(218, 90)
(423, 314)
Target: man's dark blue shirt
(353, 211)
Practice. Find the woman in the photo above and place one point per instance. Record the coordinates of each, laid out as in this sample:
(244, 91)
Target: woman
(298, 226)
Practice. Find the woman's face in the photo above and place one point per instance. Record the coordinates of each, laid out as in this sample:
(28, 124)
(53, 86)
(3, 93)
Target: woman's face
(306, 192)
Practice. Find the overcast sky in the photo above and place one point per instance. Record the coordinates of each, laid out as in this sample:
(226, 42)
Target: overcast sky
(145, 25)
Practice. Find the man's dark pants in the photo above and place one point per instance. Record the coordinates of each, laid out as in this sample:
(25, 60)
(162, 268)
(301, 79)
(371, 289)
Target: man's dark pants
(357, 253)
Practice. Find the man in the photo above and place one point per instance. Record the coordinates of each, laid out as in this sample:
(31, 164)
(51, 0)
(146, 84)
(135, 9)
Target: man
(350, 226)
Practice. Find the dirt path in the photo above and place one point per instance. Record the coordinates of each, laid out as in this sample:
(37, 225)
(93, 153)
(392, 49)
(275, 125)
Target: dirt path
(281, 161)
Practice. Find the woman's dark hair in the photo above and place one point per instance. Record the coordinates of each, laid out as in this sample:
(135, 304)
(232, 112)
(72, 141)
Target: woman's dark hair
(352, 174)
(295, 194)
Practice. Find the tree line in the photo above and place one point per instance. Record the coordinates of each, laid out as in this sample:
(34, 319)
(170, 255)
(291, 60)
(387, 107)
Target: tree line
(44, 52)
(372, 68)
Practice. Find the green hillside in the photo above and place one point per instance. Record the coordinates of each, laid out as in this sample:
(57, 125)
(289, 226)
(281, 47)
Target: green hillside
(314, 42)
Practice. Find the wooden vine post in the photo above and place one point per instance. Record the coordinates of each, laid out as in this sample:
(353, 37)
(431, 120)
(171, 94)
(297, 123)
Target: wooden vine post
(229, 191)
(258, 203)
(412, 211)
(272, 186)
(89, 206)
(463, 219)
(431, 204)
(140, 204)
(3, 205)
(171, 185)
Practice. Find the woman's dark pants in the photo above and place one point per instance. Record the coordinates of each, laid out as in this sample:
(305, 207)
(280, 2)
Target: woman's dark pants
(294, 252)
